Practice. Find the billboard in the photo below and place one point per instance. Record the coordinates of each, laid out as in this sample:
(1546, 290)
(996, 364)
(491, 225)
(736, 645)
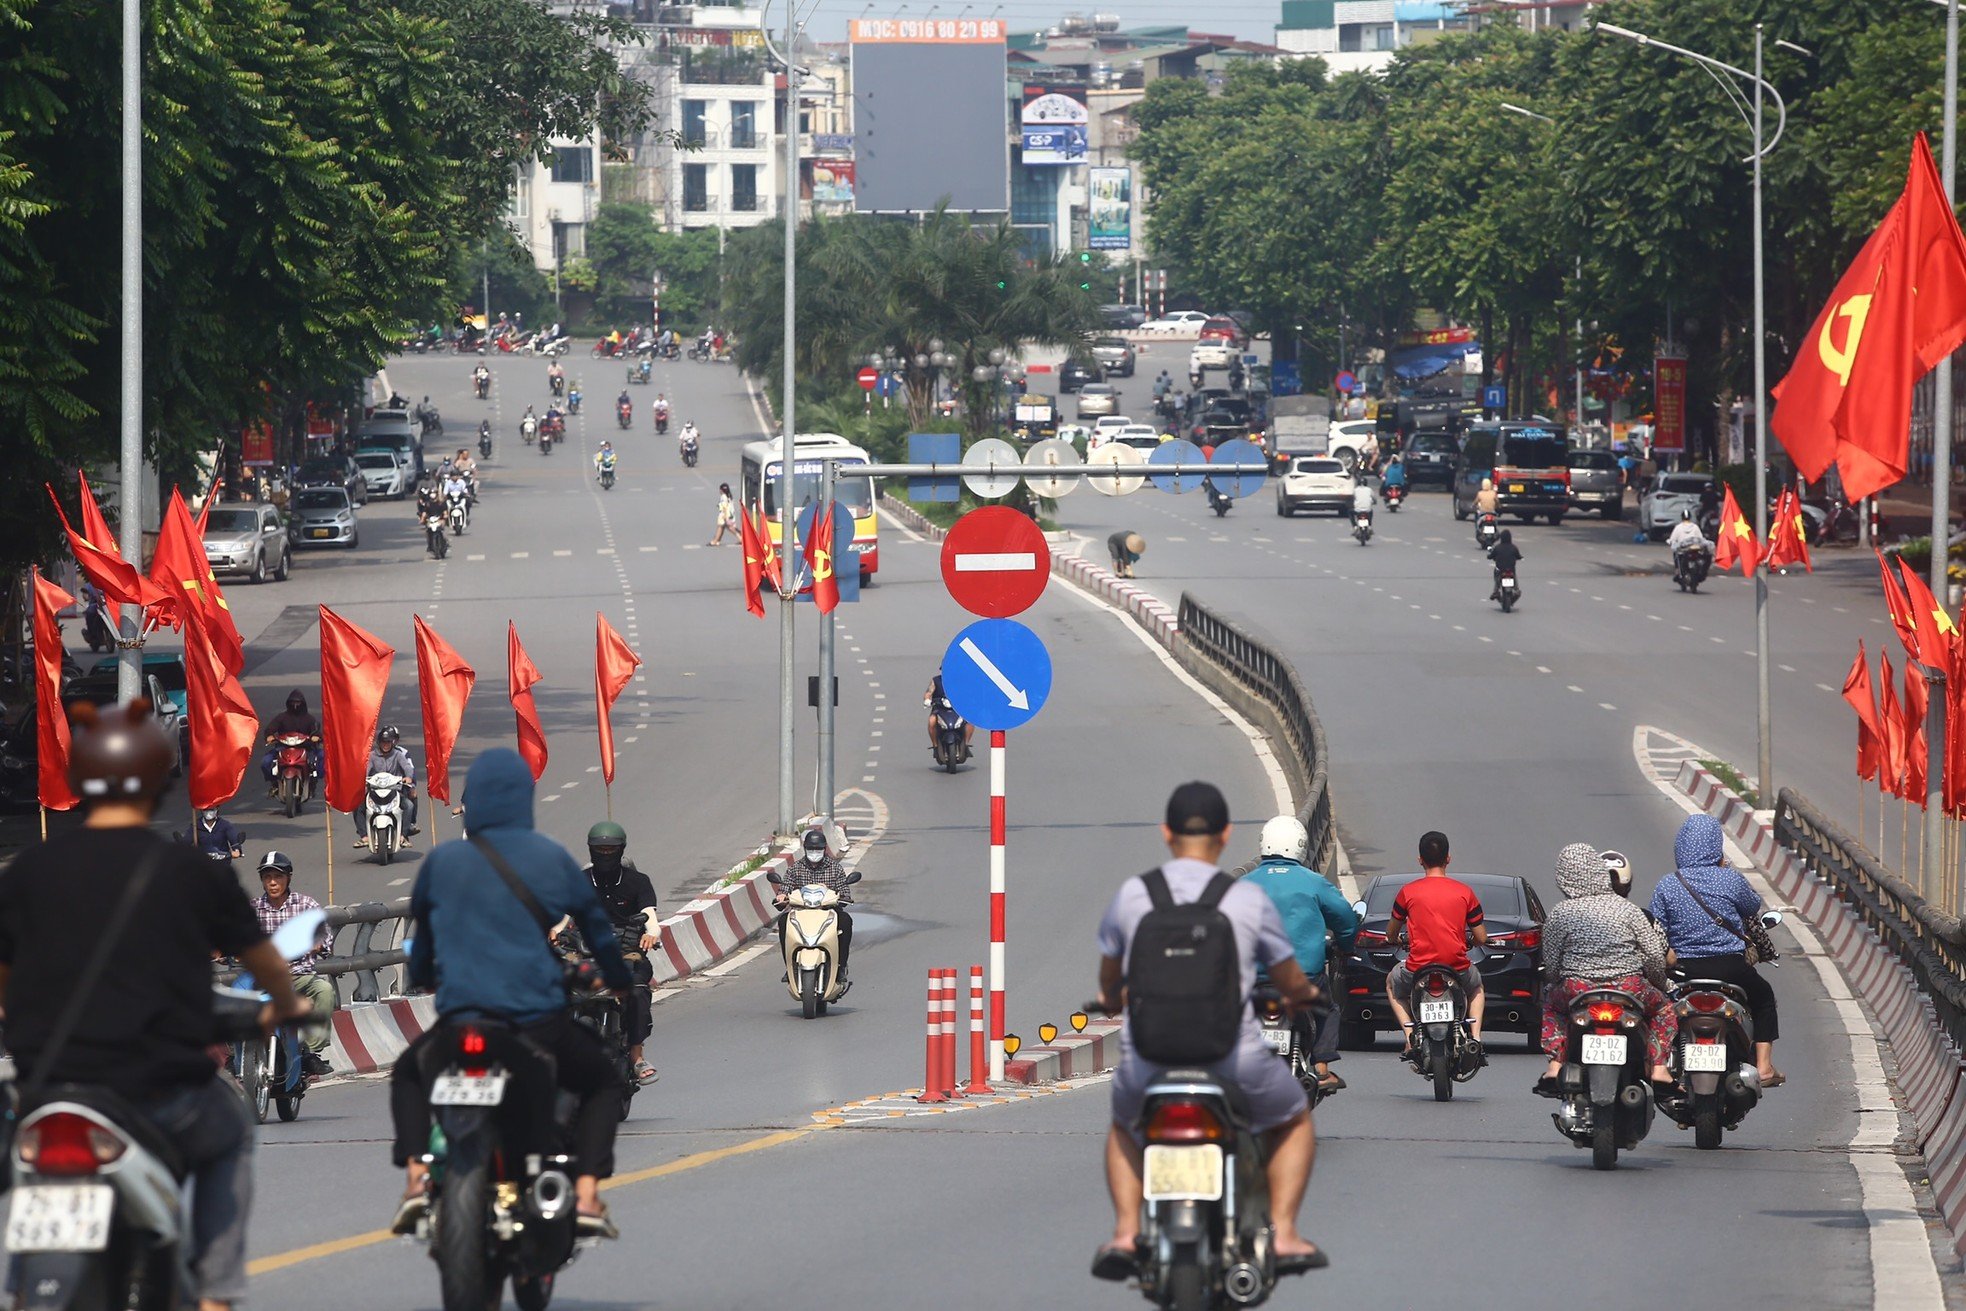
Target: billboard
(930, 116)
(1109, 209)
(832, 181)
(1054, 125)
(1669, 403)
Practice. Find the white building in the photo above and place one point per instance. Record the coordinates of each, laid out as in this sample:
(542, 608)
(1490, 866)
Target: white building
(553, 203)
(725, 103)
(1363, 35)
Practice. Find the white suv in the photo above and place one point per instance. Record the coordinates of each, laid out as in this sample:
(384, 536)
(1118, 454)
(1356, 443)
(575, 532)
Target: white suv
(1314, 482)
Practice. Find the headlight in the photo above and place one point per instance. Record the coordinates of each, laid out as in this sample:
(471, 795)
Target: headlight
(813, 895)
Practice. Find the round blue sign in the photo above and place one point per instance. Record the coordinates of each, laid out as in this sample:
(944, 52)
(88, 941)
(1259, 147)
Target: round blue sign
(1175, 450)
(997, 674)
(1239, 451)
(1346, 381)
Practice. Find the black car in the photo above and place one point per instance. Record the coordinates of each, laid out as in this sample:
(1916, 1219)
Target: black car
(1510, 964)
(1429, 458)
(335, 471)
(1075, 373)
(1123, 317)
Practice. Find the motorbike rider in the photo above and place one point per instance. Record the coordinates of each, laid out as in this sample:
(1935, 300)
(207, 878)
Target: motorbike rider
(573, 397)
(481, 375)
(1438, 915)
(1196, 830)
(293, 721)
(456, 485)
(818, 864)
(146, 1044)
(1394, 474)
(483, 948)
(629, 898)
(624, 401)
(1162, 385)
(1505, 555)
(1311, 908)
(1686, 535)
(934, 697)
(556, 377)
(661, 408)
(1703, 909)
(484, 430)
(1363, 499)
(429, 500)
(1487, 500)
(389, 757)
(215, 835)
(604, 458)
(1594, 938)
(276, 904)
(686, 436)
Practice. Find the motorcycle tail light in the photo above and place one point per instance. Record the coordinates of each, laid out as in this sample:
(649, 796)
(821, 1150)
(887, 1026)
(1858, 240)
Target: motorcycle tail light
(1184, 1122)
(1370, 938)
(1606, 1012)
(1707, 1003)
(472, 1043)
(1436, 985)
(67, 1144)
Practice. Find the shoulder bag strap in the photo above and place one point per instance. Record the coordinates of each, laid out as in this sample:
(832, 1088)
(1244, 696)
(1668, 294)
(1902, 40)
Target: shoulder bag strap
(1218, 888)
(92, 972)
(1701, 902)
(512, 880)
(1157, 890)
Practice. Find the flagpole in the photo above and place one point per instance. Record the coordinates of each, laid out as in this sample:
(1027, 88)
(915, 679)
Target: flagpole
(327, 814)
(827, 646)
(129, 669)
(1935, 710)
(1765, 784)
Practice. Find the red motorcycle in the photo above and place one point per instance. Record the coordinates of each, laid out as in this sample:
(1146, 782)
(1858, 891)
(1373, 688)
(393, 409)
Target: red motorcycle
(293, 771)
(607, 350)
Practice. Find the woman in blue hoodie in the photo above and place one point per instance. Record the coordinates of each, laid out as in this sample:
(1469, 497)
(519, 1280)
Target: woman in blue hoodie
(1703, 907)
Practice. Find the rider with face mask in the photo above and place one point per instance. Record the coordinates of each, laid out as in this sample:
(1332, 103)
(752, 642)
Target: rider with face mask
(216, 836)
(817, 864)
(293, 721)
(629, 898)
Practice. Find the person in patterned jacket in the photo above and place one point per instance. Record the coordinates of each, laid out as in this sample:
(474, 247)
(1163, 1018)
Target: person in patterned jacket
(1595, 938)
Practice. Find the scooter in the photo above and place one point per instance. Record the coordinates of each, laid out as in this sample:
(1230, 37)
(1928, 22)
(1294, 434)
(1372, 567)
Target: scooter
(1362, 526)
(573, 401)
(292, 772)
(1689, 567)
(661, 422)
(1283, 1034)
(811, 943)
(546, 436)
(433, 535)
(559, 386)
(482, 382)
(382, 814)
(484, 443)
(1487, 531)
(951, 736)
(1607, 1096)
(624, 414)
(1713, 1060)
(689, 452)
(1393, 494)
(457, 513)
(1444, 1048)
(1217, 500)
(528, 429)
(1506, 589)
(607, 475)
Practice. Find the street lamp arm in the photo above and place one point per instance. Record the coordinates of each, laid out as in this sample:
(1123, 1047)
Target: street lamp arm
(1781, 106)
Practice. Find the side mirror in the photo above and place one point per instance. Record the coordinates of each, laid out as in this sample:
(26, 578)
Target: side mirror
(1771, 918)
(1358, 908)
(853, 877)
(771, 877)
(297, 936)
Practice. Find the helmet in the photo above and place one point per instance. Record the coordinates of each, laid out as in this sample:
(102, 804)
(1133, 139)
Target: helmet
(1284, 836)
(1620, 870)
(606, 842)
(607, 833)
(389, 734)
(275, 862)
(1686, 516)
(121, 753)
(814, 845)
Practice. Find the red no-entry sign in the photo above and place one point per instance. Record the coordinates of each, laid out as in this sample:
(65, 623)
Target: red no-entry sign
(995, 562)
(868, 377)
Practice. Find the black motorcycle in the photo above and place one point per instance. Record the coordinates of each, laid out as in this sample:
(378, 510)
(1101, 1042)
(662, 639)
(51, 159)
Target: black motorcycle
(1690, 565)
(599, 1009)
(1713, 1059)
(1218, 501)
(484, 443)
(1289, 1037)
(1605, 1088)
(1444, 1049)
(1507, 590)
(1487, 531)
(951, 736)
(689, 447)
(482, 382)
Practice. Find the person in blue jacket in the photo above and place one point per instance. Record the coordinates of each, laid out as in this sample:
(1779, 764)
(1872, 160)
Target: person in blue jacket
(486, 954)
(1310, 907)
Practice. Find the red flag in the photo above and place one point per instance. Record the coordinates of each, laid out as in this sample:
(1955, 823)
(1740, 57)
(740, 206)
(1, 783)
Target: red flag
(1736, 537)
(754, 562)
(1917, 698)
(1932, 629)
(101, 563)
(205, 512)
(224, 728)
(1897, 605)
(820, 561)
(1788, 542)
(1899, 309)
(354, 675)
(94, 526)
(1891, 720)
(50, 720)
(520, 675)
(1857, 691)
(770, 559)
(614, 667)
(443, 682)
(179, 568)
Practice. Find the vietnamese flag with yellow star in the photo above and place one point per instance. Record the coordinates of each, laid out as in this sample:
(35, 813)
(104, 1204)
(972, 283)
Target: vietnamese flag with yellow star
(1737, 539)
(1932, 633)
(1899, 309)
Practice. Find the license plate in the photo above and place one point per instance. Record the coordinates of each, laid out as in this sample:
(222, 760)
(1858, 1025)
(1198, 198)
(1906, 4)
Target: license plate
(1509, 584)
(60, 1217)
(1604, 1049)
(467, 1090)
(1436, 1012)
(1279, 1039)
(1183, 1174)
(1705, 1058)
(1515, 487)
(320, 532)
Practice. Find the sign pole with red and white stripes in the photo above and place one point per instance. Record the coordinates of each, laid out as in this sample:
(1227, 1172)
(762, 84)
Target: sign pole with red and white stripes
(996, 904)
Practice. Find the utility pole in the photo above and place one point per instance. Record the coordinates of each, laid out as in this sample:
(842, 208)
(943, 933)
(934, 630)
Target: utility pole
(1933, 863)
(788, 573)
(1765, 764)
(828, 707)
(129, 670)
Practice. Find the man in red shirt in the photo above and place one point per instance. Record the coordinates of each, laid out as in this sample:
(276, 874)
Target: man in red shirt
(1438, 915)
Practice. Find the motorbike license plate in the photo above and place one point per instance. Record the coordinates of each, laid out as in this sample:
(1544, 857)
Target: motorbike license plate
(1436, 1012)
(1279, 1039)
(1705, 1058)
(1604, 1049)
(1183, 1174)
(60, 1217)
(1508, 584)
(467, 1090)
(1515, 487)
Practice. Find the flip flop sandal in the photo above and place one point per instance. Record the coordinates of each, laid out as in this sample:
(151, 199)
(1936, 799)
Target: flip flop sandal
(599, 1226)
(1115, 1264)
(1546, 1087)
(1775, 1081)
(1297, 1265)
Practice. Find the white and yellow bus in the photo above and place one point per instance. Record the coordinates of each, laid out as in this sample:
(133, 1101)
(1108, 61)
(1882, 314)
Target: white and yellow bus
(854, 491)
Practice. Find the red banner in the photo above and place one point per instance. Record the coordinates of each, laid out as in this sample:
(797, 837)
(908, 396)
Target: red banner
(1669, 403)
(256, 444)
(1436, 337)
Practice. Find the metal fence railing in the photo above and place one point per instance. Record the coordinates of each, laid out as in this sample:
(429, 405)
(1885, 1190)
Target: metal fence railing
(1929, 942)
(1244, 668)
(374, 946)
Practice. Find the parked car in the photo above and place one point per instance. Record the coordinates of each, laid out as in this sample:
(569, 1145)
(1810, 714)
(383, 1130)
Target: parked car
(1510, 962)
(1097, 399)
(325, 516)
(334, 471)
(1122, 318)
(1659, 509)
(247, 539)
(1178, 321)
(388, 472)
(1224, 329)
(1115, 355)
(99, 688)
(164, 678)
(1529, 462)
(1596, 483)
(1075, 373)
(1315, 482)
(1429, 458)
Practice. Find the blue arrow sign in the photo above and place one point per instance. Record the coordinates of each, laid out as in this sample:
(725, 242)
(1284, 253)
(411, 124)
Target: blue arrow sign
(997, 674)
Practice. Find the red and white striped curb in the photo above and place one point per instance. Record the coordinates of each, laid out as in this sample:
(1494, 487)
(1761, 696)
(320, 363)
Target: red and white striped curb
(369, 1036)
(1162, 623)
(1069, 1056)
(1931, 1078)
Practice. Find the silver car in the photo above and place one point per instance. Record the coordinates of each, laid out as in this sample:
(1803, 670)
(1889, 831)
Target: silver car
(323, 516)
(1597, 483)
(246, 539)
(1115, 354)
(386, 471)
(1660, 508)
(1097, 399)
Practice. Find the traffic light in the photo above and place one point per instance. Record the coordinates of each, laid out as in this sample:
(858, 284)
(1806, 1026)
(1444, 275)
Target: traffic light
(1003, 284)
(1085, 270)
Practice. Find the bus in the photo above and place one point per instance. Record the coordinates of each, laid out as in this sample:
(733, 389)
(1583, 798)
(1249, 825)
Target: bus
(856, 492)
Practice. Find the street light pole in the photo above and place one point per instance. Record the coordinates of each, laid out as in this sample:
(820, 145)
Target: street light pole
(788, 572)
(1933, 861)
(129, 670)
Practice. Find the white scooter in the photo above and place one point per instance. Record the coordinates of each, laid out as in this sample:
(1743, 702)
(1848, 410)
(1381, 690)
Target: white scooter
(811, 943)
(382, 812)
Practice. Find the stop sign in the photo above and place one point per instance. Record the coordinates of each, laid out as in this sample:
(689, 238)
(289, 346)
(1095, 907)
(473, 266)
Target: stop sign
(868, 377)
(995, 562)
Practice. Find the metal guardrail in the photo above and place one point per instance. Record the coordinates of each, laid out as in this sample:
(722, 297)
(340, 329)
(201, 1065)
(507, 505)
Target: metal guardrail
(376, 945)
(1929, 942)
(1258, 672)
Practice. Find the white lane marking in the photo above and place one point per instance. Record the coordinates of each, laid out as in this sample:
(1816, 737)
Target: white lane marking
(646, 550)
(1541, 669)
(1573, 687)
(558, 553)
(886, 518)
(1826, 687)
(554, 797)
(1787, 669)
(397, 883)
(742, 958)
(521, 555)
(474, 557)
(609, 550)
(1605, 705)
(1486, 639)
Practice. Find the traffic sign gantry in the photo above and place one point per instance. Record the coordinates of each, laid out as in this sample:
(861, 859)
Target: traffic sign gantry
(997, 674)
(995, 562)
(867, 378)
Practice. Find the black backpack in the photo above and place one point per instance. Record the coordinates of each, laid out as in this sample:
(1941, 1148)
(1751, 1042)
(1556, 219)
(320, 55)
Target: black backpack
(1184, 977)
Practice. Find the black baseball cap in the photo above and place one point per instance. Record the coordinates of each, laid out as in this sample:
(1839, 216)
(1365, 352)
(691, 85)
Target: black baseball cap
(1197, 809)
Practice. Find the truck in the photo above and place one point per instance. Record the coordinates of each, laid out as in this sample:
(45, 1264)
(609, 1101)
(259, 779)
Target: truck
(1034, 418)
(1299, 425)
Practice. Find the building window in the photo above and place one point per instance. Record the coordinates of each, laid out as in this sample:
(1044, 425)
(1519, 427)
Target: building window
(693, 115)
(1034, 195)
(696, 187)
(573, 164)
(743, 124)
(744, 188)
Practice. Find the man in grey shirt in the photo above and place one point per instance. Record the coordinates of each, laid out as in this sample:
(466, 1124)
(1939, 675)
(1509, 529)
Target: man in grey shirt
(1196, 831)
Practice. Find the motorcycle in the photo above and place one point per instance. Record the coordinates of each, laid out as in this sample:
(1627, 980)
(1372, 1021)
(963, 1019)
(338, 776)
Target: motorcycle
(811, 943)
(1689, 567)
(689, 451)
(528, 429)
(457, 513)
(951, 736)
(96, 630)
(95, 1215)
(701, 350)
(641, 372)
(292, 772)
(267, 1067)
(429, 423)
(382, 813)
(624, 414)
(1506, 589)
(1362, 526)
(573, 401)
(599, 1009)
(607, 475)
(433, 535)
(661, 421)
(559, 386)
(1393, 494)
(668, 350)
(1283, 1034)
(482, 383)
(1443, 1046)
(1607, 1097)
(546, 437)
(1487, 531)
(1218, 501)
(484, 444)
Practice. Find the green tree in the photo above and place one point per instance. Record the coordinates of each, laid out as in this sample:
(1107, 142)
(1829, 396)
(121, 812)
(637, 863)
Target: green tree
(626, 248)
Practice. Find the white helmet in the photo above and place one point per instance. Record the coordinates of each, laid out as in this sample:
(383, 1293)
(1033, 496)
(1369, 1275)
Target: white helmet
(1284, 836)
